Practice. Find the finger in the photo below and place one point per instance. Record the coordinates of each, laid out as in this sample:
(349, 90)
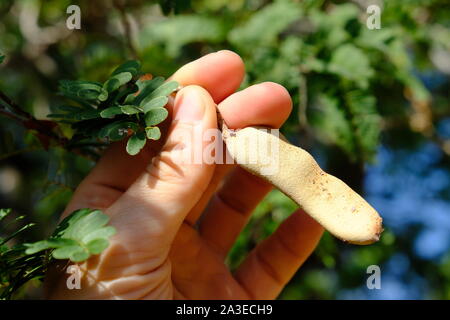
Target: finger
(266, 104)
(117, 170)
(230, 208)
(269, 105)
(269, 267)
(220, 171)
(220, 73)
(171, 185)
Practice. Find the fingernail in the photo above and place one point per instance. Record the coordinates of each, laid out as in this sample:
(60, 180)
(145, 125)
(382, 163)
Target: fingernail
(190, 106)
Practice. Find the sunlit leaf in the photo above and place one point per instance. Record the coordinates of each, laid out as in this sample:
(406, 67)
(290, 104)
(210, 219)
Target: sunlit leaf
(77, 237)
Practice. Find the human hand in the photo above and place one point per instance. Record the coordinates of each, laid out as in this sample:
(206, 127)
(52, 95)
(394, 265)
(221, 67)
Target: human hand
(176, 223)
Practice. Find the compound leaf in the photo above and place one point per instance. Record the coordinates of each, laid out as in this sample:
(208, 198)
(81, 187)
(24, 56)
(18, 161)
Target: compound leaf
(77, 237)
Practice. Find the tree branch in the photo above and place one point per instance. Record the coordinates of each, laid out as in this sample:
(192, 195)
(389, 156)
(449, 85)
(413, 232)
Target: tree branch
(14, 106)
(44, 128)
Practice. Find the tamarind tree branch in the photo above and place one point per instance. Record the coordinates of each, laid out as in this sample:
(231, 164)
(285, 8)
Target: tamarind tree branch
(9, 114)
(14, 106)
(43, 128)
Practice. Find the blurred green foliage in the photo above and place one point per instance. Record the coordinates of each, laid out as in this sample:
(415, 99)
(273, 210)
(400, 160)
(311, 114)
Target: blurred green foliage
(354, 90)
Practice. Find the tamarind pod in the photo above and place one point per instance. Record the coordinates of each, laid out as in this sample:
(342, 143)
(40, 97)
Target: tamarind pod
(327, 199)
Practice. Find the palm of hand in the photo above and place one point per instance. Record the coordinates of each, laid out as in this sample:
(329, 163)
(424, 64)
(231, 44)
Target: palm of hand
(177, 223)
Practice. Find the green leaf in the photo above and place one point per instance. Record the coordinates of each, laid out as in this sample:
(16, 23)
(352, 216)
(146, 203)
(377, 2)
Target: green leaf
(2, 58)
(88, 114)
(16, 233)
(111, 112)
(130, 109)
(48, 244)
(88, 94)
(136, 143)
(332, 26)
(145, 87)
(331, 123)
(103, 96)
(104, 232)
(83, 103)
(352, 64)
(153, 133)
(128, 92)
(117, 130)
(75, 253)
(131, 66)
(78, 236)
(88, 90)
(97, 246)
(4, 213)
(178, 31)
(84, 225)
(264, 26)
(158, 102)
(117, 80)
(70, 108)
(366, 121)
(70, 220)
(155, 116)
(163, 90)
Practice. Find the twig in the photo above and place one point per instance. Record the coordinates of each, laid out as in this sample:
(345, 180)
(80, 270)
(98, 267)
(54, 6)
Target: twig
(14, 106)
(28, 121)
(43, 128)
(10, 115)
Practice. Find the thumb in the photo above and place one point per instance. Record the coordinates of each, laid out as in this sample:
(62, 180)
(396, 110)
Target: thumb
(159, 200)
